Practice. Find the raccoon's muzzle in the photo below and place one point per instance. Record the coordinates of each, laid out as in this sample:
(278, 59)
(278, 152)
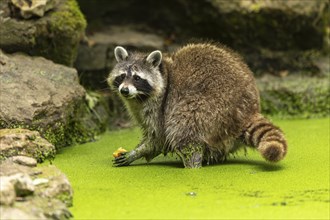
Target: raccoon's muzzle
(124, 91)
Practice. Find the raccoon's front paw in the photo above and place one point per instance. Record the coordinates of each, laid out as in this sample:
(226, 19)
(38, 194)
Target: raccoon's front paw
(123, 160)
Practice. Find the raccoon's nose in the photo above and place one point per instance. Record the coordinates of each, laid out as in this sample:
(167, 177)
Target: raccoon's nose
(124, 91)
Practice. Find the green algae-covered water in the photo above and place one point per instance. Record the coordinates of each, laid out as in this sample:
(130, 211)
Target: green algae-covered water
(245, 187)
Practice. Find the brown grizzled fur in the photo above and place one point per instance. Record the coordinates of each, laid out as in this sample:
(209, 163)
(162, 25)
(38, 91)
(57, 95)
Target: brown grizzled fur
(202, 103)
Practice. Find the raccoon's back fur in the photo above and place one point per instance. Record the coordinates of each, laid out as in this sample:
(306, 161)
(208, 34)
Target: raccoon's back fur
(203, 101)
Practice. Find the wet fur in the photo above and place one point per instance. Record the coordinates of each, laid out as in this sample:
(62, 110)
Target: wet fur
(207, 99)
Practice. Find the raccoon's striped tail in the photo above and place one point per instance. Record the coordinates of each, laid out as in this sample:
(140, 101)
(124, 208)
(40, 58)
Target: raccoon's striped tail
(267, 138)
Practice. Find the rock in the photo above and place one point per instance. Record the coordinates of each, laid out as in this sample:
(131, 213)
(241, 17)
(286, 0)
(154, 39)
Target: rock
(294, 97)
(55, 36)
(296, 24)
(7, 191)
(58, 185)
(40, 181)
(12, 213)
(25, 142)
(47, 196)
(106, 39)
(95, 115)
(40, 95)
(285, 29)
(24, 160)
(28, 9)
(9, 168)
(92, 57)
(127, 36)
(264, 62)
(45, 208)
(23, 184)
(50, 208)
(97, 53)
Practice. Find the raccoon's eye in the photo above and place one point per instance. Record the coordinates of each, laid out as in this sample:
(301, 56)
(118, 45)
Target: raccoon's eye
(122, 76)
(136, 78)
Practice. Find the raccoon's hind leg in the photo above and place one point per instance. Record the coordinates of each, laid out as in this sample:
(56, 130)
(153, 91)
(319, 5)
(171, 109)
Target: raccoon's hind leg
(267, 138)
(191, 155)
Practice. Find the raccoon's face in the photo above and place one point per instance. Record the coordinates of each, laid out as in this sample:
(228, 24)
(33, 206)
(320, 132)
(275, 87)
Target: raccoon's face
(137, 76)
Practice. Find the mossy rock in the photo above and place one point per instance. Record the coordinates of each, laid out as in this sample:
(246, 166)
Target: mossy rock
(278, 25)
(50, 192)
(25, 142)
(286, 30)
(295, 97)
(66, 26)
(39, 95)
(55, 36)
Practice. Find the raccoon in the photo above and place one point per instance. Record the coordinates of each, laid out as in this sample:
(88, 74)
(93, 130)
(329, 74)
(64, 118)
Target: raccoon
(201, 103)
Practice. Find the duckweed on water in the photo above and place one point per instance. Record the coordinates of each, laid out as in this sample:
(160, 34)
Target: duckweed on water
(245, 187)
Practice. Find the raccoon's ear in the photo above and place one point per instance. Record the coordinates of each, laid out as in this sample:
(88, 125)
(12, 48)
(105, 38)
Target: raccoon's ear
(155, 58)
(120, 53)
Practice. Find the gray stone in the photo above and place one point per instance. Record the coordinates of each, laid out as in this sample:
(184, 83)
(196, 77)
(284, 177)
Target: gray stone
(55, 36)
(23, 184)
(9, 168)
(296, 6)
(91, 57)
(26, 144)
(44, 208)
(40, 181)
(7, 191)
(12, 40)
(24, 160)
(51, 208)
(247, 26)
(46, 197)
(97, 53)
(294, 97)
(13, 213)
(28, 9)
(297, 24)
(58, 185)
(40, 95)
(127, 36)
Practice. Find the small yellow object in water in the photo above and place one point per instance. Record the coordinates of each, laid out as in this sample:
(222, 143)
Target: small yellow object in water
(118, 152)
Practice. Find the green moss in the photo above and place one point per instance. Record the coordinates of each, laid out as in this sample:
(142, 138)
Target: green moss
(70, 18)
(53, 174)
(82, 124)
(244, 187)
(55, 135)
(66, 198)
(4, 132)
(65, 28)
(29, 145)
(295, 97)
(43, 154)
(69, 133)
(47, 172)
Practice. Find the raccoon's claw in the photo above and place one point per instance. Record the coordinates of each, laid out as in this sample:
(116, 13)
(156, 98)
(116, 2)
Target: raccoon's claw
(122, 160)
